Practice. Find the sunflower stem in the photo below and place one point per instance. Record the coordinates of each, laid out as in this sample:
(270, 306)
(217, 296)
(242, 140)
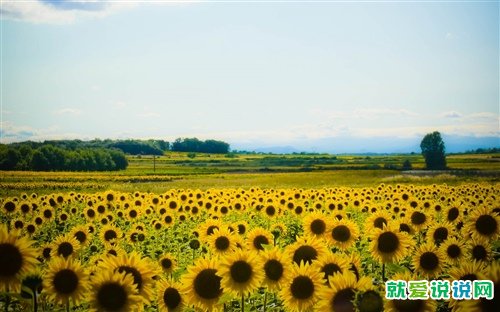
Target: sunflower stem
(242, 303)
(265, 301)
(35, 302)
(67, 306)
(383, 272)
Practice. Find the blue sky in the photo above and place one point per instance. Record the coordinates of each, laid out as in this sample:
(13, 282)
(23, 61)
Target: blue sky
(253, 74)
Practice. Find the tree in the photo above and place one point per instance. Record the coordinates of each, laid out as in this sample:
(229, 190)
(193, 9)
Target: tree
(433, 150)
(407, 165)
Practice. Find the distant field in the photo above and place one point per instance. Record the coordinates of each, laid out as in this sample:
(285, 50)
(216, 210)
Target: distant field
(177, 170)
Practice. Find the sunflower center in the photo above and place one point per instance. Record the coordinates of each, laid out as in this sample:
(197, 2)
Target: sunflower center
(453, 214)
(370, 301)
(341, 233)
(171, 298)
(440, 234)
(342, 301)
(207, 284)
(65, 249)
(260, 240)
(429, 261)
(486, 225)
(305, 253)
(302, 287)
(418, 218)
(273, 269)
(166, 263)
(135, 274)
(409, 305)
(241, 271)
(453, 251)
(241, 229)
(493, 304)
(329, 269)
(468, 277)
(270, 211)
(11, 260)
(388, 242)
(112, 297)
(479, 252)
(318, 226)
(81, 236)
(380, 222)
(65, 281)
(404, 228)
(222, 243)
(211, 229)
(109, 235)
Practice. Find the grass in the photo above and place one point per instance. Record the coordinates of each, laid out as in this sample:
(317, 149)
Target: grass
(177, 170)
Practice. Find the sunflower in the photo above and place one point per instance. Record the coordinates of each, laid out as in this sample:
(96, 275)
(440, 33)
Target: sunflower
(139, 268)
(465, 271)
(315, 224)
(65, 246)
(483, 224)
(408, 305)
(343, 233)
(340, 294)
(305, 249)
(240, 272)
(454, 250)
(113, 291)
(388, 244)
(222, 241)
(258, 238)
(440, 232)
(202, 284)
(65, 279)
(479, 250)
(110, 234)
(428, 260)
(369, 301)
(167, 263)
(491, 273)
(302, 288)
(419, 219)
(378, 220)
(330, 264)
(169, 296)
(17, 257)
(208, 228)
(82, 235)
(275, 267)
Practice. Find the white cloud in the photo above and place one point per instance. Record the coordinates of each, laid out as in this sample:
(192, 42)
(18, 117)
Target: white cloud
(40, 12)
(452, 114)
(68, 111)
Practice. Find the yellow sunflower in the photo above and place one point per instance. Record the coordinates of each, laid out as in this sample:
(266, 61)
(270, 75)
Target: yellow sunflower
(82, 235)
(139, 268)
(453, 250)
(167, 263)
(222, 241)
(110, 234)
(65, 246)
(17, 257)
(65, 279)
(169, 296)
(113, 291)
(377, 220)
(428, 260)
(302, 288)
(208, 228)
(340, 294)
(240, 272)
(305, 249)
(490, 273)
(202, 285)
(388, 244)
(440, 232)
(330, 264)
(275, 266)
(479, 250)
(257, 238)
(343, 233)
(315, 224)
(483, 224)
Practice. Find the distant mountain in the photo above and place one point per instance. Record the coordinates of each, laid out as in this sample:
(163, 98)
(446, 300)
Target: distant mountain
(341, 145)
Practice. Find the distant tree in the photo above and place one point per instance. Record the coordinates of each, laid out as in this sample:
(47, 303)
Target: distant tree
(433, 150)
(407, 165)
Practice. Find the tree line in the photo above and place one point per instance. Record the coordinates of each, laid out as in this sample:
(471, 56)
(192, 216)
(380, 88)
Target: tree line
(47, 157)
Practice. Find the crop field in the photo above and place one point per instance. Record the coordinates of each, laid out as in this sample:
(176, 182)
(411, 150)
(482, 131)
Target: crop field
(266, 249)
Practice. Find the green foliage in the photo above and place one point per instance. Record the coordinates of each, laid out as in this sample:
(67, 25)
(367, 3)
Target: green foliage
(191, 155)
(407, 165)
(195, 145)
(433, 150)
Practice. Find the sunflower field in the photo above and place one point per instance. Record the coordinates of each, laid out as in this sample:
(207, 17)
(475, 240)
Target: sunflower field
(328, 249)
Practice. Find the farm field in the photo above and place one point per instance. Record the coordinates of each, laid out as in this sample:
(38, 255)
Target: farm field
(270, 236)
